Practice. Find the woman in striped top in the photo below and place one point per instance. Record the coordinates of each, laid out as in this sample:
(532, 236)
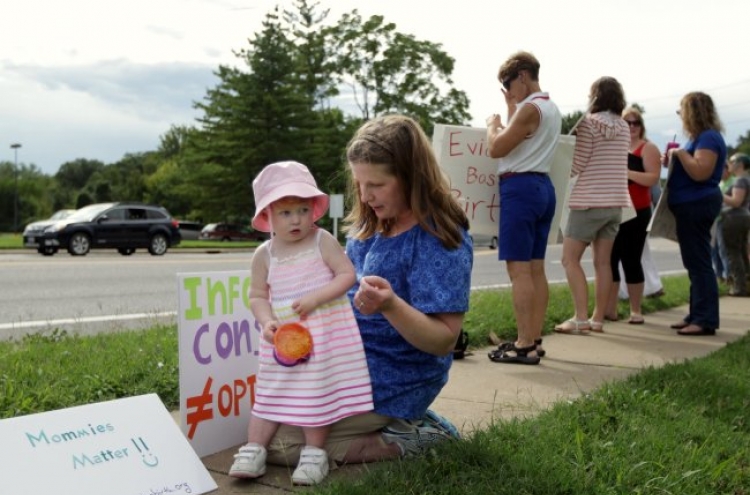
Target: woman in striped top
(599, 191)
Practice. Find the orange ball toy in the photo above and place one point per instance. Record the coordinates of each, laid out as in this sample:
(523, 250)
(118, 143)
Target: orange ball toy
(292, 344)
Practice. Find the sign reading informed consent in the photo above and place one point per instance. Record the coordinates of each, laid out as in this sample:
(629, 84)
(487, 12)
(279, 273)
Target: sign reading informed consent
(218, 345)
(127, 446)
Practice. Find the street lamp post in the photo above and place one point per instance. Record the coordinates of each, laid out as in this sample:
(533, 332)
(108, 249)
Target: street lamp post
(15, 147)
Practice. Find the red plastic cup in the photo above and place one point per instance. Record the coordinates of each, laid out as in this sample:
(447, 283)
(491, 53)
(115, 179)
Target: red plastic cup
(670, 145)
(292, 344)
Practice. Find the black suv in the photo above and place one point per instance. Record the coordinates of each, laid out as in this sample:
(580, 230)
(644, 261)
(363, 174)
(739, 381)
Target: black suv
(121, 226)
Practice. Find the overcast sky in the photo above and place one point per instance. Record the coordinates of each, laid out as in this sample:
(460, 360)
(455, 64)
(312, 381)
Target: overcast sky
(97, 79)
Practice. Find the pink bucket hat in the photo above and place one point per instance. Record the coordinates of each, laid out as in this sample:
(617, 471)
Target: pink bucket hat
(279, 180)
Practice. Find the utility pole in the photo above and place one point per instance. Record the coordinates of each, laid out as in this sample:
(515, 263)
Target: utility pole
(15, 147)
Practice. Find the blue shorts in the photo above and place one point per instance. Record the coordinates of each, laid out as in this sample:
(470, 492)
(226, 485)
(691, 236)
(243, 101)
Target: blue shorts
(527, 206)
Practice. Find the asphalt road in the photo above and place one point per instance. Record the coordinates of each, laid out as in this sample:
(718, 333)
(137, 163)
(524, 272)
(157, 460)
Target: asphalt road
(104, 291)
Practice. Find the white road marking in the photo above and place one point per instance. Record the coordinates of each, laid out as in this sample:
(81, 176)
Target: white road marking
(86, 319)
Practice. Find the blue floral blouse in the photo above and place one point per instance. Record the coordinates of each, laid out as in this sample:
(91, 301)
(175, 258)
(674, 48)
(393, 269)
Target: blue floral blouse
(431, 278)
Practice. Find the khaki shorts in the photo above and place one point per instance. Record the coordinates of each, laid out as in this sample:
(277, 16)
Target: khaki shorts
(285, 447)
(593, 223)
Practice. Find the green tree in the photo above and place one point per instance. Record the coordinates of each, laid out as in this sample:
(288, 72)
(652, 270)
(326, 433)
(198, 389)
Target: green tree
(390, 72)
(743, 145)
(251, 119)
(75, 174)
(313, 51)
(71, 178)
(285, 103)
(569, 120)
(31, 186)
(317, 63)
(170, 184)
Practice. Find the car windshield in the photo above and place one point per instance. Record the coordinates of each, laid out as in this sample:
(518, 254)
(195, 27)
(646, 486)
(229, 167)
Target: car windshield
(87, 213)
(60, 214)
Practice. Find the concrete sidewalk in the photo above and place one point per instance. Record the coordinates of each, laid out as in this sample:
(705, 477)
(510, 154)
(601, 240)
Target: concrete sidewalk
(480, 390)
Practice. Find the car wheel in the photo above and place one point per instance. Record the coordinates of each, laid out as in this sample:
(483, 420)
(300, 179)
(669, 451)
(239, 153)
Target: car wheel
(493, 243)
(225, 239)
(126, 251)
(158, 245)
(79, 244)
(47, 250)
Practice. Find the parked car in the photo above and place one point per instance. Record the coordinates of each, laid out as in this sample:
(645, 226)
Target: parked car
(35, 229)
(489, 240)
(231, 232)
(122, 226)
(190, 230)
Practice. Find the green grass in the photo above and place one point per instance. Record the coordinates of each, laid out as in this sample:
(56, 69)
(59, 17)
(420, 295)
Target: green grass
(45, 372)
(11, 241)
(679, 429)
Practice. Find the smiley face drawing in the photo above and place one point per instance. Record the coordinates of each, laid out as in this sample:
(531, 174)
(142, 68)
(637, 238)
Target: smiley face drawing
(148, 458)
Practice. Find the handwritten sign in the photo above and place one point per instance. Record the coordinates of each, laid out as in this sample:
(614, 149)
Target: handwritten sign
(218, 346)
(127, 446)
(463, 155)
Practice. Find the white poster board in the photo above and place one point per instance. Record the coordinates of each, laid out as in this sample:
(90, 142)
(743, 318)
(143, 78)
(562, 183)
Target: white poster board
(218, 345)
(662, 222)
(462, 154)
(127, 446)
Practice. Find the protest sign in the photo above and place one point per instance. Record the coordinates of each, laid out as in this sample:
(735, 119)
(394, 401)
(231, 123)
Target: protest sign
(662, 222)
(218, 346)
(128, 446)
(463, 155)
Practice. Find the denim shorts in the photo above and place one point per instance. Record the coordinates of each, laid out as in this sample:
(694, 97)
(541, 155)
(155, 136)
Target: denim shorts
(527, 206)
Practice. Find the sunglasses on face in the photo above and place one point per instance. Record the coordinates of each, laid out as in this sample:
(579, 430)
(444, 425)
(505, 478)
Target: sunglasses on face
(508, 80)
(633, 123)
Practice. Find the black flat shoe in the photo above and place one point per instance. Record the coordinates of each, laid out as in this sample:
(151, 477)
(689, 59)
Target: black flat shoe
(700, 331)
(679, 325)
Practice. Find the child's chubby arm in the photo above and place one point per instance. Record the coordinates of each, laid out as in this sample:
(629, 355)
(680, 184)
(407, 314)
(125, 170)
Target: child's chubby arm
(260, 303)
(343, 277)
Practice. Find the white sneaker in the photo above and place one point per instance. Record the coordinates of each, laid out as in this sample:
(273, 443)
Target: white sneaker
(249, 462)
(312, 467)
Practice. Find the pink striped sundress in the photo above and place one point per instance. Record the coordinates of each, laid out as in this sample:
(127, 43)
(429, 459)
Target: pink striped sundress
(335, 382)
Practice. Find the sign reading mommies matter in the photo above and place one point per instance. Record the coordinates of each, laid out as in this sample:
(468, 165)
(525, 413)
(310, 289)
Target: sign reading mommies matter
(218, 345)
(128, 446)
(463, 155)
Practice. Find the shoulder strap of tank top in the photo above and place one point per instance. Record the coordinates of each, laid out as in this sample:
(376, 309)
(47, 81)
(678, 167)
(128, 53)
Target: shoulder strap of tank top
(639, 149)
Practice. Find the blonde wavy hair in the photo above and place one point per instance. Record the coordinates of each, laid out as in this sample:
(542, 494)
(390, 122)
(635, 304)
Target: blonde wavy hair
(698, 114)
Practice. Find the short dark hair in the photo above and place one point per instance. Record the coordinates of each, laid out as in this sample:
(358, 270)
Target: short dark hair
(607, 95)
